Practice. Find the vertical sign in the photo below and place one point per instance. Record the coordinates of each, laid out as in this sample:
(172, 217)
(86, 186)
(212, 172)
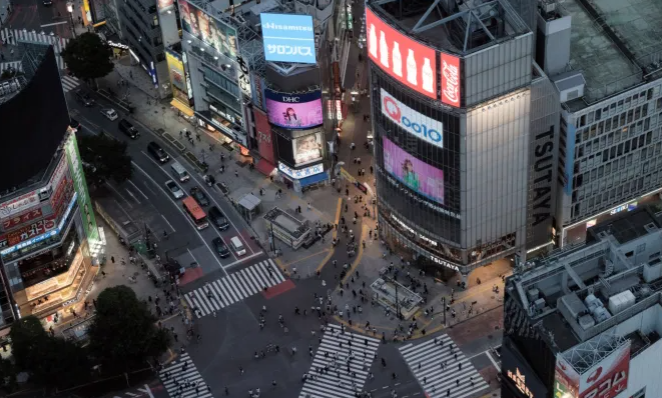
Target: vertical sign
(87, 212)
(244, 77)
(450, 80)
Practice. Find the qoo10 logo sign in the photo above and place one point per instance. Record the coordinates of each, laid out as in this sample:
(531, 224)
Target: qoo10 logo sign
(421, 126)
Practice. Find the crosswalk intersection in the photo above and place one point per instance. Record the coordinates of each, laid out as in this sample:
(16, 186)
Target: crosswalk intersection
(233, 288)
(341, 364)
(182, 380)
(14, 36)
(69, 83)
(442, 369)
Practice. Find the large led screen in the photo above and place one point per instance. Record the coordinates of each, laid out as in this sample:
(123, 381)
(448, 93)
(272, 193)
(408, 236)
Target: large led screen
(420, 177)
(294, 110)
(210, 30)
(307, 149)
(288, 38)
(406, 60)
(415, 123)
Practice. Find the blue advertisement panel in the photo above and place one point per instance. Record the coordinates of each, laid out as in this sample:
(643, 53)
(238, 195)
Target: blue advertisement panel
(288, 38)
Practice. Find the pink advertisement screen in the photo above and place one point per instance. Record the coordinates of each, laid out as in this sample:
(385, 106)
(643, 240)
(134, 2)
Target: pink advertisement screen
(295, 111)
(418, 176)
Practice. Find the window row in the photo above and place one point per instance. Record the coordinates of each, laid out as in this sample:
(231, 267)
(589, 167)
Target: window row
(619, 106)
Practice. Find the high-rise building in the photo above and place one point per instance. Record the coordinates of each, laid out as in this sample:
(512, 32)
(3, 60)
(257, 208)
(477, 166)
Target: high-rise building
(49, 239)
(466, 132)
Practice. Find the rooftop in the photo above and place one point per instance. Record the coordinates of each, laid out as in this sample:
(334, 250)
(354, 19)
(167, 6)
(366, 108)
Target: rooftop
(621, 36)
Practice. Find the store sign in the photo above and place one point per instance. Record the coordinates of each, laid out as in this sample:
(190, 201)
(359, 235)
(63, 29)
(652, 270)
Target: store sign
(264, 136)
(444, 263)
(22, 218)
(421, 126)
(404, 59)
(244, 77)
(76, 167)
(288, 38)
(19, 204)
(30, 231)
(450, 80)
(629, 207)
(301, 173)
(258, 91)
(609, 378)
(543, 155)
(411, 231)
(520, 382)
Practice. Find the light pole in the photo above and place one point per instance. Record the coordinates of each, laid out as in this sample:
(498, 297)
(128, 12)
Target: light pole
(70, 9)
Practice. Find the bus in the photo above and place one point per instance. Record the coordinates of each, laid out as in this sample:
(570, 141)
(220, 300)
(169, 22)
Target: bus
(195, 212)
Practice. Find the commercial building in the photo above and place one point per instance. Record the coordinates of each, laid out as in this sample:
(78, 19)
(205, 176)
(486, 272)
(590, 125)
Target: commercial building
(466, 126)
(586, 320)
(604, 60)
(49, 241)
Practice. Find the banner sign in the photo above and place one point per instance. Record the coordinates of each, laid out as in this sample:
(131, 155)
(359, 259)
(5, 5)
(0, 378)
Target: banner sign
(288, 38)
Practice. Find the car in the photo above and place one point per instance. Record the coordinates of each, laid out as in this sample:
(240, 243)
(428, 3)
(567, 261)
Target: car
(218, 218)
(109, 113)
(47, 2)
(174, 189)
(157, 152)
(84, 98)
(74, 124)
(127, 128)
(199, 196)
(220, 247)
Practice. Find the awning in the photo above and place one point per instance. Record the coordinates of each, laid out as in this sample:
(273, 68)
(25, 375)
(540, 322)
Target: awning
(265, 167)
(314, 179)
(182, 107)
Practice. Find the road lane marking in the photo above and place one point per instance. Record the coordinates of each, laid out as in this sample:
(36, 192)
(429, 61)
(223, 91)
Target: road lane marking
(54, 23)
(120, 195)
(204, 242)
(138, 189)
(168, 222)
(496, 365)
(243, 259)
(132, 195)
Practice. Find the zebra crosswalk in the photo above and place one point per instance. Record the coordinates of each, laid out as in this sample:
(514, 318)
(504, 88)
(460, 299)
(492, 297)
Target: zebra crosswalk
(69, 83)
(340, 366)
(442, 369)
(14, 36)
(182, 379)
(233, 288)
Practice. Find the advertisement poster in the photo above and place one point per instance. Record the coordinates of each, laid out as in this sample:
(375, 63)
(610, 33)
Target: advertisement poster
(411, 121)
(177, 77)
(307, 149)
(450, 80)
(288, 38)
(417, 175)
(165, 5)
(608, 378)
(210, 30)
(294, 110)
(404, 59)
(19, 204)
(22, 218)
(86, 209)
(31, 231)
(264, 137)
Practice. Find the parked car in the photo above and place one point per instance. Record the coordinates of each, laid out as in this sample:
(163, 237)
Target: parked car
(199, 196)
(174, 189)
(220, 247)
(109, 113)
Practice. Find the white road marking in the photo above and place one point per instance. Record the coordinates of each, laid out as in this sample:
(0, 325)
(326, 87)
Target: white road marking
(168, 222)
(132, 195)
(138, 189)
(54, 23)
(243, 259)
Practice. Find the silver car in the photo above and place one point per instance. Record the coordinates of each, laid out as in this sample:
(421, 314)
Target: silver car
(174, 189)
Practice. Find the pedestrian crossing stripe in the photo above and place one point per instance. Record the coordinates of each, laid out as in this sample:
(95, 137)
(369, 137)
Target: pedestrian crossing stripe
(233, 288)
(176, 376)
(341, 364)
(14, 36)
(12, 65)
(437, 370)
(69, 83)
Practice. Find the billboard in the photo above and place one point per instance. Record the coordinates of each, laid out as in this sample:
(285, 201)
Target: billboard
(608, 378)
(265, 143)
(210, 30)
(404, 59)
(308, 149)
(450, 80)
(294, 110)
(519, 373)
(19, 219)
(420, 177)
(165, 5)
(301, 173)
(19, 204)
(87, 211)
(288, 38)
(423, 127)
(177, 77)
(30, 231)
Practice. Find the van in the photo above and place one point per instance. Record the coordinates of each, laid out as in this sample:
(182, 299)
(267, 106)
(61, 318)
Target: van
(237, 246)
(157, 152)
(179, 172)
(127, 128)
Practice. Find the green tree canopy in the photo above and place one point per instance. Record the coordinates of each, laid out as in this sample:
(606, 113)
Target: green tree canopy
(104, 158)
(123, 334)
(7, 376)
(50, 361)
(88, 57)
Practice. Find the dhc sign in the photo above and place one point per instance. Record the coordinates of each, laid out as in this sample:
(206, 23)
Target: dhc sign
(411, 121)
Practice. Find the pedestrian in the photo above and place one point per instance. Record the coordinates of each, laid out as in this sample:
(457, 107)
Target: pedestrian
(174, 336)
(103, 274)
(371, 170)
(227, 390)
(274, 383)
(236, 173)
(112, 259)
(241, 370)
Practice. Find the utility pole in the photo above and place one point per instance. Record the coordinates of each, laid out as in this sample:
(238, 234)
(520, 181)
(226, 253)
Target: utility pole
(443, 304)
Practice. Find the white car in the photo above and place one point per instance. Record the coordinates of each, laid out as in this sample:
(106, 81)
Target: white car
(109, 113)
(174, 189)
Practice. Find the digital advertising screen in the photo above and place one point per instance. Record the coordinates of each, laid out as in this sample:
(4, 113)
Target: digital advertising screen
(210, 30)
(420, 177)
(177, 77)
(415, 123)
(307, 149)
(406, 60)
(288, 38)
(295, 111)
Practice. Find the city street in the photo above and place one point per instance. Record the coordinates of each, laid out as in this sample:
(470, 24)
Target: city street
(34, 15)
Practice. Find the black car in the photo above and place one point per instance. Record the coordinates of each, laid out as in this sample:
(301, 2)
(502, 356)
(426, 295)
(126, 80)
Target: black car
(218, 218)
(84, 98)
(220, 247)
(127, 128)
(199, 196)
(157, 152)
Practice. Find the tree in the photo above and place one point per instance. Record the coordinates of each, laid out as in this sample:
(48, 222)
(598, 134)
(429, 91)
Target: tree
(104, 158)
(51, 362)
(88, 57)
(8, 381)
(123, 334)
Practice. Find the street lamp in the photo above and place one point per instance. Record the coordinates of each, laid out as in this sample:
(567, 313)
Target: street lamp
(70, 9)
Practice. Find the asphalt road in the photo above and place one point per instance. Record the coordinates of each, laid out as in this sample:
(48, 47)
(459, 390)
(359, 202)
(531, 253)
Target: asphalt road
(34, 15)
(146, 200)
